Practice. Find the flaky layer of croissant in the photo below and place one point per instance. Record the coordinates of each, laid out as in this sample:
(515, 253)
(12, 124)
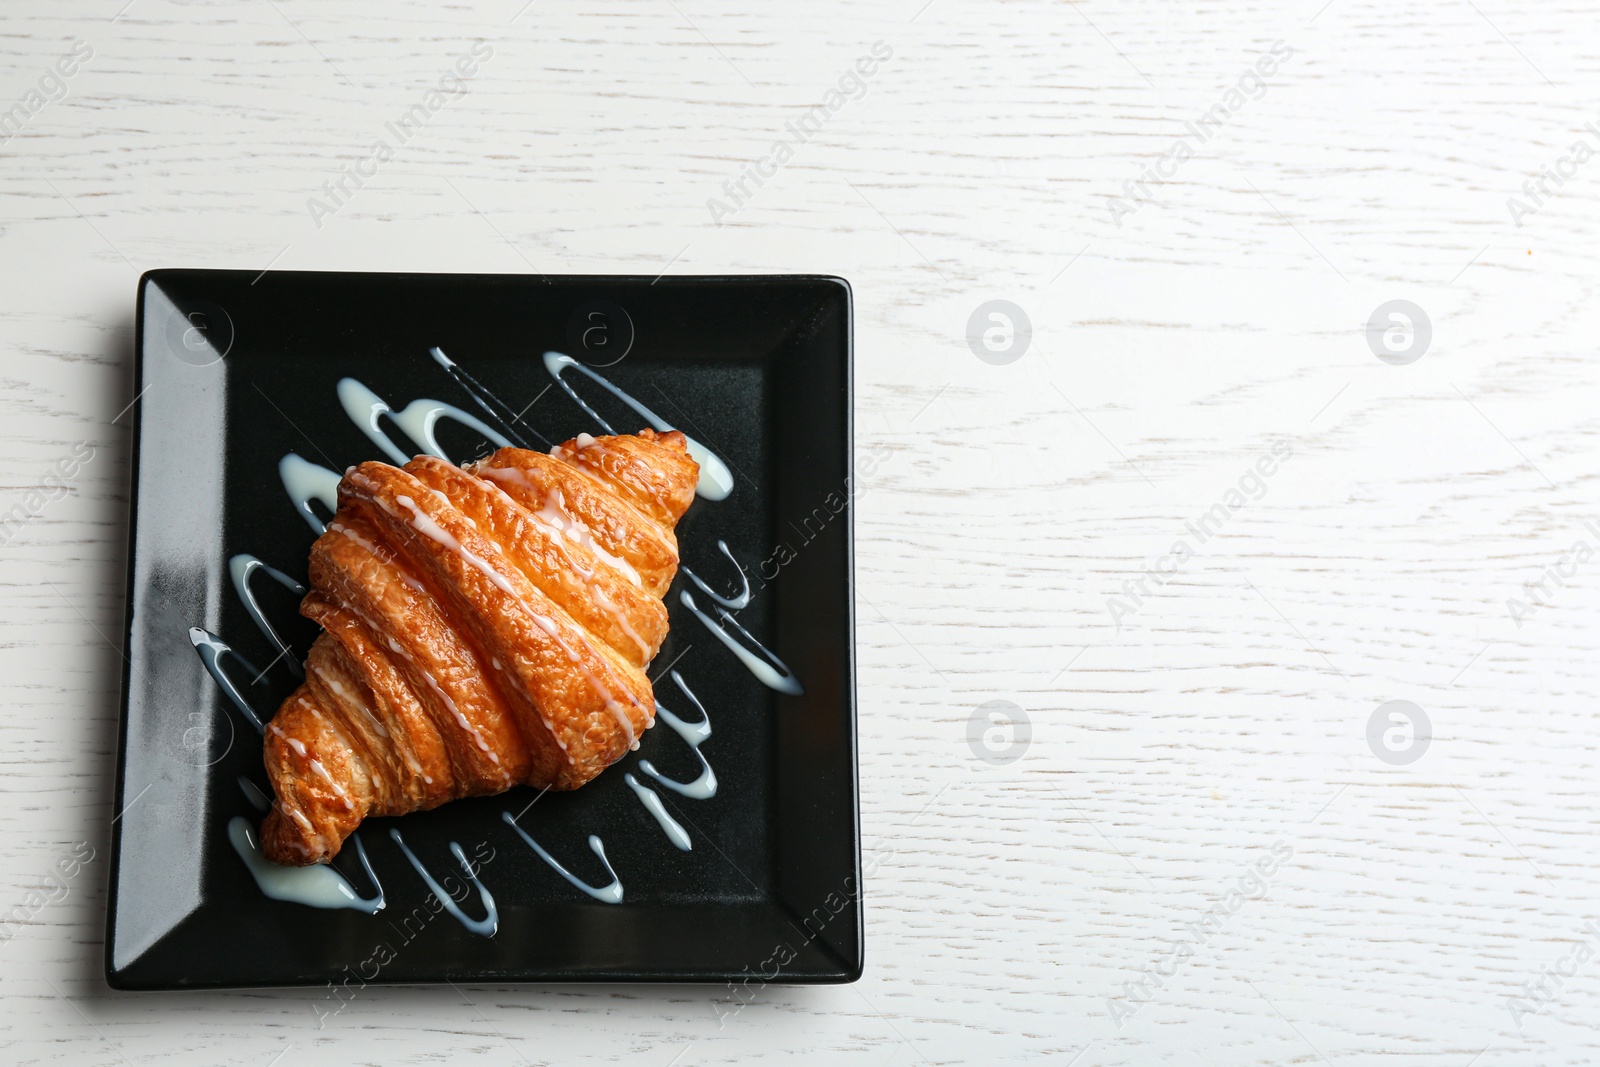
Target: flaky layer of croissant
(483, 627)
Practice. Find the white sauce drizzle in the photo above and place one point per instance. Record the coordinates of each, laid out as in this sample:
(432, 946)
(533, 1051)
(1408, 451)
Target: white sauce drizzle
(485, 926)
(339, 790)
(211, 649)
(316, 886)
(497, 408)
(774, 675)
(240, 568)
(694, 735)
(461, 720)
(555, 514)
(563, 527)
(400, 650)
(425, 525)
(652, 803)
(418, 420)
(716, 481)
(741, 599)
(397, 649)
(383, 553)
(352, 699)
(562, 524)
(608, 894)
(304, 481)
(316, 765)
(610, 608)
(293, 742)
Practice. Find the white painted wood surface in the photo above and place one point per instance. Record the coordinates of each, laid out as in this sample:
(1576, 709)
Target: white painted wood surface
(1009, 905)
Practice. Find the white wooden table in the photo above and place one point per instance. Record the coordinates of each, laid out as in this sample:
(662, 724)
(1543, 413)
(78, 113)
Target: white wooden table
(1072, 905)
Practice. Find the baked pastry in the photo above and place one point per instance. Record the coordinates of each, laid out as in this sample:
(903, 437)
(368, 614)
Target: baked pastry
(484, 627)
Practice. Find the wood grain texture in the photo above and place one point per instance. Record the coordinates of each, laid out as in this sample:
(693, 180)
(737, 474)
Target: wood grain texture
(1007, 906)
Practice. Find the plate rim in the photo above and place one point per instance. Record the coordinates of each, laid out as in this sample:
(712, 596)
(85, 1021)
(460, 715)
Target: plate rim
(127, 977)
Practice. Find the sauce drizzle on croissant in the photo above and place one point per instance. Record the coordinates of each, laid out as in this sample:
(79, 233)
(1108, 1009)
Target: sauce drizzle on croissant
(484, 627)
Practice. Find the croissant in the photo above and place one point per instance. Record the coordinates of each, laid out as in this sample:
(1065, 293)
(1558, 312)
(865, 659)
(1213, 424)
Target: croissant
(483, 627)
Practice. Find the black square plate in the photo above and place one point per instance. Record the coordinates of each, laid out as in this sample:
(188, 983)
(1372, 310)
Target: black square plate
(236, 371)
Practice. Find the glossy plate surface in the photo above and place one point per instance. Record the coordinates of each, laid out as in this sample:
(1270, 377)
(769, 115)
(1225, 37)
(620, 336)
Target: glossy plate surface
(236, 372)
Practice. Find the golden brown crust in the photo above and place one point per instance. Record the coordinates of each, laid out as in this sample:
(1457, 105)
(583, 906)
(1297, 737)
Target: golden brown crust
(558, 561)
(355, 566)
(311, 765)
(542, 483)
(478, 634)
(653, 472)
(565, 687)
(417, 748)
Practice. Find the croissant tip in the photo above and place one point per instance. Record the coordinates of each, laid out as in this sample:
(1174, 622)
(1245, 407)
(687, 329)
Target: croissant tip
(675, 439)
(283, 845)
